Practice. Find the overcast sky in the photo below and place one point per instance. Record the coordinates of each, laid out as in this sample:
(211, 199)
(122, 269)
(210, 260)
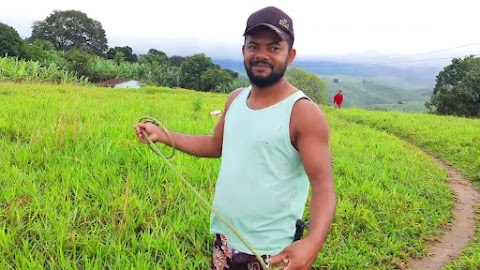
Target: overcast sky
(403, 30)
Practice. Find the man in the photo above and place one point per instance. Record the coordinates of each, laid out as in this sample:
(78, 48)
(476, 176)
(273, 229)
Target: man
(274, 142)
(338, 99)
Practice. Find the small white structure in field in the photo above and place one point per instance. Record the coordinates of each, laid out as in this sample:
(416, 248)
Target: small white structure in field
(121, 83)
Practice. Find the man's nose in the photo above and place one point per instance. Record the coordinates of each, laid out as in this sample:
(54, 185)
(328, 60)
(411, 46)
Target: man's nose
(261, 53)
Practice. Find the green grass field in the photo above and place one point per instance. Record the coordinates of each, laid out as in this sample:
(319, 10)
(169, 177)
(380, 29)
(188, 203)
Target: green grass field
(455, 140)
(80, 192)
(411, 106)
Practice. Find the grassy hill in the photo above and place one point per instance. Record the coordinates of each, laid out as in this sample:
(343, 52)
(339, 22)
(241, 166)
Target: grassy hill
(80, 192)
(377, 87)
(368, 93)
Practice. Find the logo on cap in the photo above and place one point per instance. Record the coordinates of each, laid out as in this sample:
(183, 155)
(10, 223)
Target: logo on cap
(284, 23)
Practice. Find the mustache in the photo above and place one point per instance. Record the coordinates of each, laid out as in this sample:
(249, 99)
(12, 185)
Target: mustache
(264, 62)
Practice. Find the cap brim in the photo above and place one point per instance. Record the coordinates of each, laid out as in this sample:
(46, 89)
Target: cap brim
(281, 34)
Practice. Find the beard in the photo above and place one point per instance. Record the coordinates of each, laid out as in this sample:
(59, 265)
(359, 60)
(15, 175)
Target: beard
(262, 81)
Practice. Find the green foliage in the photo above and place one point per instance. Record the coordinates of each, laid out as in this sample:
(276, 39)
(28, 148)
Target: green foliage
(240, 82)
(72, 29)
(14, 69)
(127, 52)
(79, 61)
(119, 57)
(213, 77)
(78, 44)
(39, 50)
(192, 69)
(197, 104)
(457, 91)
(10, 41)
(154, 57)
(177, 60)
(311, 84)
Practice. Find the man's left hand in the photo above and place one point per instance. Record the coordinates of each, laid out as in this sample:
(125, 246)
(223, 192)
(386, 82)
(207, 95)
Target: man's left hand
(299, 255)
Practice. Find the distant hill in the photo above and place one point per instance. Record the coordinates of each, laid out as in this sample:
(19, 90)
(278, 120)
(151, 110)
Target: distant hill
(414, 75)
(370, 87)
(365, 93)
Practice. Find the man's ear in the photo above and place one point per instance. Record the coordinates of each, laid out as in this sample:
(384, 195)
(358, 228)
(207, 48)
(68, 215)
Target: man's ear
(243, 49)
(291, 55)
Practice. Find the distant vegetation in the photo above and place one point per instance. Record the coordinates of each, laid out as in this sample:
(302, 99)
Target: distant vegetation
(311, 84)
(69, 46)
(75, 45)
(457, 91)
(368, 93)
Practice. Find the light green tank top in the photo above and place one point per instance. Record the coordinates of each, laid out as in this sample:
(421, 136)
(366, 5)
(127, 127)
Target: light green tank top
(262, 186)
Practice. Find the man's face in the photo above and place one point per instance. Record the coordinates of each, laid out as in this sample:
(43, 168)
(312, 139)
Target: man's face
(266, 57)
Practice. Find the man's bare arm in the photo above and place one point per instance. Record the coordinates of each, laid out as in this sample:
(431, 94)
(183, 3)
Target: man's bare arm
(312, 141)
(196, 145)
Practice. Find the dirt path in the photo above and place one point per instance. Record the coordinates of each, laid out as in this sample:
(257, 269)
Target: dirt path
(462, 230)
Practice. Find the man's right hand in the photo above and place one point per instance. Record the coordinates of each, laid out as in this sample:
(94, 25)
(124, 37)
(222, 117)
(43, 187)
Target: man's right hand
(152, 131)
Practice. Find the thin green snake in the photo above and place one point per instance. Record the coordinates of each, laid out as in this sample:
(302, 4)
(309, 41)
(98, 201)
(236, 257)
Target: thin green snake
(202, 199)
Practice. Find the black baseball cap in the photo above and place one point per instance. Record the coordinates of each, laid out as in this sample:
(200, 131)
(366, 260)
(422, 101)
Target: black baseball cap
(275, 19)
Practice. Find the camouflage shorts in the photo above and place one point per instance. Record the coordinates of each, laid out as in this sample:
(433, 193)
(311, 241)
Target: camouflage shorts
(224, 257)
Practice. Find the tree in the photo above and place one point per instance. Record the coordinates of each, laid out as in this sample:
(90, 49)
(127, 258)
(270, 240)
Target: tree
(215, 76)
(72, 29)
(192, 69)
(10, 41)
(79, 62)
(38, 50)
(127, 52)
(154, 57)
(177, 60)
(457, 89)
(309, 83)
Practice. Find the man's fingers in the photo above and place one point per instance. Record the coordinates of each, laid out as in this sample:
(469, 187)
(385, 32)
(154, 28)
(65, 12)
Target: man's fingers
(278, 258)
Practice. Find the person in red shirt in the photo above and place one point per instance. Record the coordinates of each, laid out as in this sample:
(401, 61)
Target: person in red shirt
(338, 99)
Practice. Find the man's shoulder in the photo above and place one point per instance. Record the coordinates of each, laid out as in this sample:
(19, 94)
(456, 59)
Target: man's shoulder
(236, 92)
(306, 113)
(232, 96)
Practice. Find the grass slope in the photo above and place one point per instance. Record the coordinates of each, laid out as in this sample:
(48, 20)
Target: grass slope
(360, 92)
(455, 140)
(79, 190)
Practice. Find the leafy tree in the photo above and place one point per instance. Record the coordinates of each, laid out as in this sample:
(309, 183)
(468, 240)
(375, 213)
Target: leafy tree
(213, 77)
(127, 51)
(457, 89)
(309, 83)
(38, 50)
(240, 82)
(233, 73)
(10, 41)
(119, 57)
(79, 61)
(154, 57)
(192, 69)
(177, 60)
(72, 29)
